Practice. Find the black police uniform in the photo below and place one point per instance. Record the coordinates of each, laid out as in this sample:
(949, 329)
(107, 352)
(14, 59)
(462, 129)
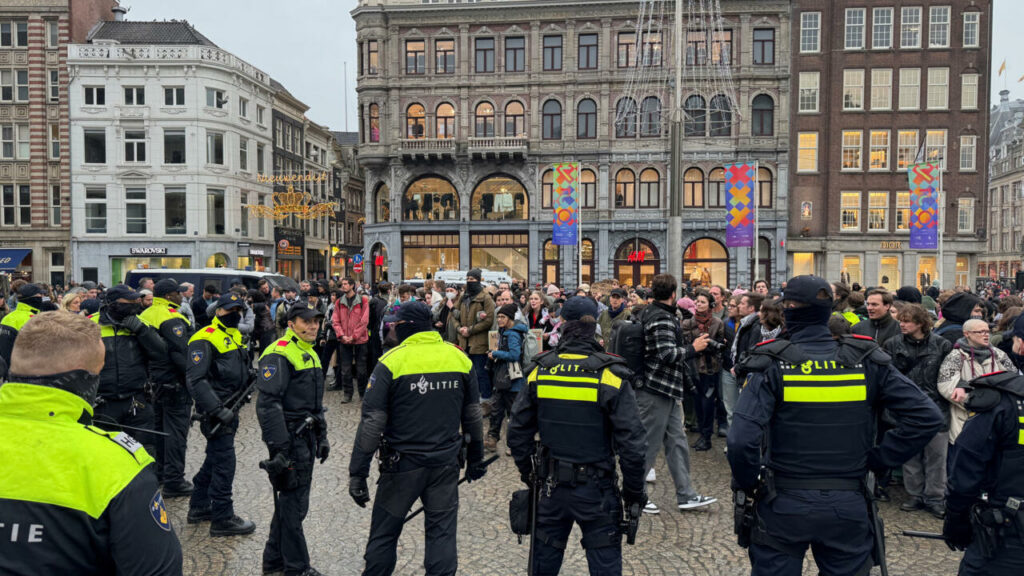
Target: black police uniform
(131, 349)
(989, 457)
(580, 401)
(421, 398)
(171, 401)
(814, 400)
(291, 386)
(218, 371)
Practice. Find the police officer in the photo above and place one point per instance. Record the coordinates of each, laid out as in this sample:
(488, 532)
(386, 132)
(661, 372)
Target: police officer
(171, 401)
(218, 372)
(131, 348)
(85, 501)
(419, 396)
(580, 401)
(291, 413)
(30, 302)
(989, 457)
(813, 401)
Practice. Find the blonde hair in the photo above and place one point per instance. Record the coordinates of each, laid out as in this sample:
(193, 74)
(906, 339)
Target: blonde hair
(65, 302)
(75, 336)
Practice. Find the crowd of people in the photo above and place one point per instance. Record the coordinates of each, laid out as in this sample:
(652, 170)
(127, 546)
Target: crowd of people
(696, 348)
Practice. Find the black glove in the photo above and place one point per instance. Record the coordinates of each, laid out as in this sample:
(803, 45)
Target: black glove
(475, 470)
(134, 324)
(276, 465)
(323, 450)
(957, 531)
(631, 497)
(358, 491)
(223, 415)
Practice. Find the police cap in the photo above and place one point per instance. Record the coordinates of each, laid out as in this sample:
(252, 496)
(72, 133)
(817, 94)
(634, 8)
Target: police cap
(413, 312)
(120, 291)
(305, 310)
(166, 286)
(811, 290)
(230, 301)
(577, 307)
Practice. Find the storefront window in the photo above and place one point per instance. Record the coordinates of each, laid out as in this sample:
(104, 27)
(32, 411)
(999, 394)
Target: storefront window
(803, 263)
(430, 198)
(383, 204)
(889, 272)
(119, 267)
(926, 271)
(218, 260)
(763, 269)
(499, 198)
(509, 253)
(851, 271)
(425, 254)
(706, 262)
(552, 263)
(636, 263)
(588, 261)
(962, 271)
(379, 262)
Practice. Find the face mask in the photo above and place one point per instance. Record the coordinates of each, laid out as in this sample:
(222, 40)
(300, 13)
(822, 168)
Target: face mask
(79, 382)
(33, 301)
(231, 319)
(800, 318)
(450, 295)
(473, 288)
(118, 311)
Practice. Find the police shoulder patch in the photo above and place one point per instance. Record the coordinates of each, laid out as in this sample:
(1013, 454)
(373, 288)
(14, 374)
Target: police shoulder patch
(268, 371)
(127, 442)
(178, 331)
(159, 512)
(197, 356)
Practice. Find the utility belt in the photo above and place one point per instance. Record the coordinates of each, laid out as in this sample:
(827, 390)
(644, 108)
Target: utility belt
(792, 483)
(556, 471)
(109, 398)
(995, 521)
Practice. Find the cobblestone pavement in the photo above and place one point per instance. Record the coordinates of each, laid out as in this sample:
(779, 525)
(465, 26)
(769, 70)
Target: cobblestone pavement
(696, 542)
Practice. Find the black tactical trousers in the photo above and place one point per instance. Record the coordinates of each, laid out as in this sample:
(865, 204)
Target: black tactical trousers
(396, 493)
(1008, 559)
(134, 411)
(286, 543)
(595, 506)
(173, 411)
(213, 482)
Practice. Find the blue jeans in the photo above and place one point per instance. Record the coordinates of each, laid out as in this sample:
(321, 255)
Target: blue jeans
(483, 377)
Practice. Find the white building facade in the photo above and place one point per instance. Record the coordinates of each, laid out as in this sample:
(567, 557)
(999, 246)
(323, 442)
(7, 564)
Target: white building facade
(167, 140)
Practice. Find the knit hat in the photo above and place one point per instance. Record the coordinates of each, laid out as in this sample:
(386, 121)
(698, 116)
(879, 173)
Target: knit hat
(687, 304)
(909, 294)
(508, 311)
(475, 273)
(553, 290)
(577, 307)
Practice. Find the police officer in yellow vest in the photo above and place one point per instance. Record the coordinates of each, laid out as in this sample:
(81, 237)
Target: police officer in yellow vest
(291, 413)
(131, 349)
(421, 399)
(171, 402)
(84, 501)
(813, 401)
(579, 400)
(218, 372)
(30, 302)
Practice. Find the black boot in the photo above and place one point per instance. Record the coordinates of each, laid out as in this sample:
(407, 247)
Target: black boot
(177, 489)
(233, 526)
(702, 445)
(195, 515)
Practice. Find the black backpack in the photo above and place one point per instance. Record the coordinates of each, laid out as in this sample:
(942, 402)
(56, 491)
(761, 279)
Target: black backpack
(630, 344)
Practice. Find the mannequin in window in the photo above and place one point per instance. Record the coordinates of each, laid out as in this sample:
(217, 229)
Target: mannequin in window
(448, 204)
(411, 208)
(705, 277)
(486, 206)
(926, 280)
(844, 276)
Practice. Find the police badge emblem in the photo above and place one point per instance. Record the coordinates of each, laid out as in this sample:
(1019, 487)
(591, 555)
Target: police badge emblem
(197, 356)
(178, 331)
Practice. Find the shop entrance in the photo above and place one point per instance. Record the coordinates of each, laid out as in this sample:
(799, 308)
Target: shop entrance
(637, 262)
(706, 262)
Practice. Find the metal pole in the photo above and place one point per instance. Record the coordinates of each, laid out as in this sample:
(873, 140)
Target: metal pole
(942, 228)
(757, 233)
(579, 231)
(675, 219)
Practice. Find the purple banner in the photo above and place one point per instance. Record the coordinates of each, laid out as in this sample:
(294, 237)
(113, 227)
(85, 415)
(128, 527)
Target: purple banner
(924, 206)
(739, 201)
(566, 204)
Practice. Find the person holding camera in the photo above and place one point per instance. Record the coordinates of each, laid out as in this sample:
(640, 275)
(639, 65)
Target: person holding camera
(708, 363)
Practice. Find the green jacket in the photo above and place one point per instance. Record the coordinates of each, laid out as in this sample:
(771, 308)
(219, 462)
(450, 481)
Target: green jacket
(86, 500)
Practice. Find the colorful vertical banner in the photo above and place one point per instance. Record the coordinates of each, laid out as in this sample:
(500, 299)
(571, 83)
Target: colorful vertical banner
(924, 206)
(739, 201)
(566, 204)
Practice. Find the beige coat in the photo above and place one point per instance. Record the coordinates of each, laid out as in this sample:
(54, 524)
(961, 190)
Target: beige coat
(958, 367)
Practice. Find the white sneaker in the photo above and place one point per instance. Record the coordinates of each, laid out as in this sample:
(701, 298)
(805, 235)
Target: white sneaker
(698, 502)
(650, 475)
(651, 508)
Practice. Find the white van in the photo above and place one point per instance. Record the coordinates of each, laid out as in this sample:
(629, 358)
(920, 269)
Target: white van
(458, 277)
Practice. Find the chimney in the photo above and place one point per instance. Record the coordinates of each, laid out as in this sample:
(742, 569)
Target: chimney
(119, 13)
(1004, 100)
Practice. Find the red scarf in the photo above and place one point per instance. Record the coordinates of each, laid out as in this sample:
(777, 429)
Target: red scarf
(703, 320)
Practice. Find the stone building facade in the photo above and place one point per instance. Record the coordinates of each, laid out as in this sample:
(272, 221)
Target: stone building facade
(465, 106)
(1005, 216)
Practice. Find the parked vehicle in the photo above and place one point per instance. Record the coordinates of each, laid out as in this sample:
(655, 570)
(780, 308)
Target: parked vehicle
(202, 277)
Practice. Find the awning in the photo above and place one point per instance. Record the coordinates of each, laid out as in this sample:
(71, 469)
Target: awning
(10, 259)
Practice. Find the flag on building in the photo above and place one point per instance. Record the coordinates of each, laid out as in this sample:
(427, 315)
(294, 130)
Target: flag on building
(1002, 68)
(924, 206)
(566, 204)
(739, 201)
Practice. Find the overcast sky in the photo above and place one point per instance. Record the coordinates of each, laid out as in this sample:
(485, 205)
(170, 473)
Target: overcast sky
(304, 44)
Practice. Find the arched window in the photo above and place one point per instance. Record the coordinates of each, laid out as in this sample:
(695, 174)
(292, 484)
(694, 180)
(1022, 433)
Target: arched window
(625, 186)
(374, 123)
(552, 117)
(499, 198)
(515, 120)
(650, 189)
(764, 186)
(552, 263)
(625, 118)
(694, 116)
(587, 248)
(586, 119)
(636, 262)
(706, 262)
(588, 189)
(650, 117)
(547, 189)
(716, 188)
(445, 121)
(415, 122)
(430, 198)
(763, 121)
(382, 203)
(693, 188)
(484, 120)
(721, 116)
